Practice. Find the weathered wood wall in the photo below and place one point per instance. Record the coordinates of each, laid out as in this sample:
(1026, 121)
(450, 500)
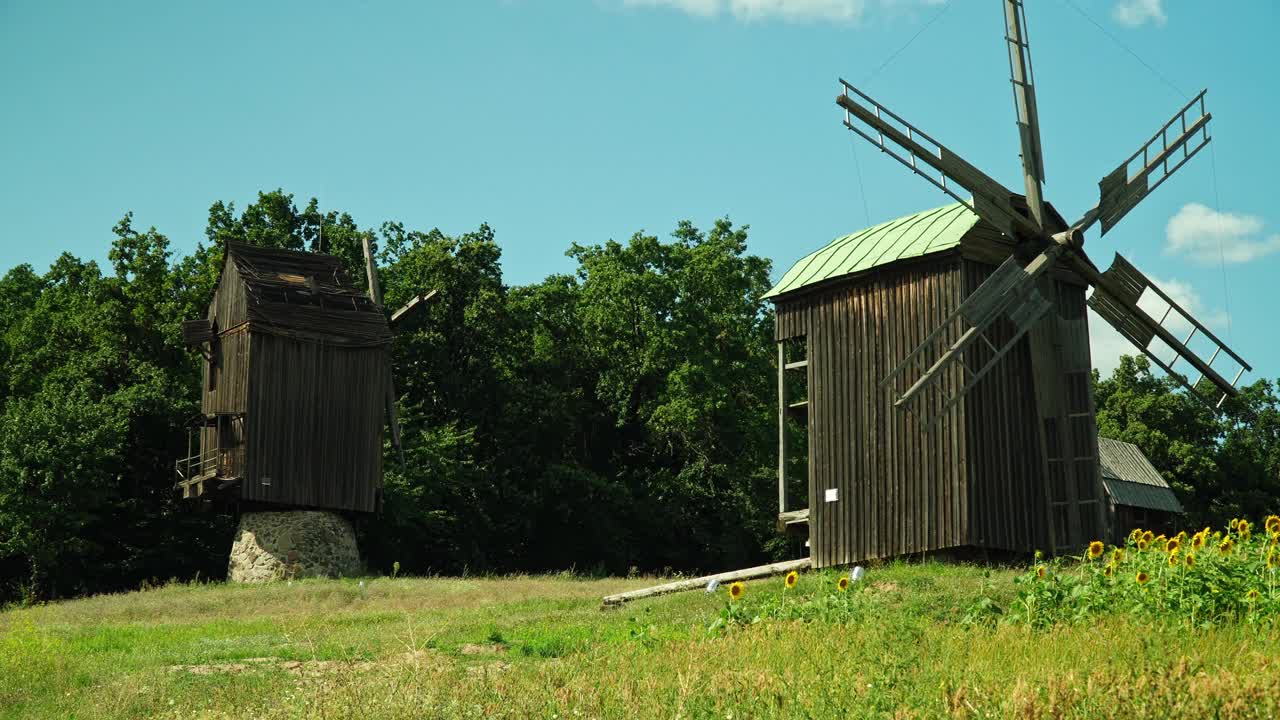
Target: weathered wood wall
(314, 424)
(224, 385)
(900, 490)
(230, 301)
(1005, 471)
(976, 478)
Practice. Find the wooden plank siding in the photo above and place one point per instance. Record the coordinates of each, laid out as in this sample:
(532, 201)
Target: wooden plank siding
(1005, 477)
(225, 383)
(294, 390)
(315, 417)
(977, 478)
(900, 490)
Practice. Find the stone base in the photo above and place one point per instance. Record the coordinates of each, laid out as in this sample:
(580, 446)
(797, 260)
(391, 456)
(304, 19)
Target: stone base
(292, 545)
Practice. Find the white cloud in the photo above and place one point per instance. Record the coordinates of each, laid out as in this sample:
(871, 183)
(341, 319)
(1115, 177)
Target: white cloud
(1106, 345)
(1133, 13)
(838, 11)
(1207, 236)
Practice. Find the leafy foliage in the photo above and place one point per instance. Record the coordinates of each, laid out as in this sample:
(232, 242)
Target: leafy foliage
(614, 418)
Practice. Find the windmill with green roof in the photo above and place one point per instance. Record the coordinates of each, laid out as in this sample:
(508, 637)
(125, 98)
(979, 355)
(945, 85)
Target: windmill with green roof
(933, 371)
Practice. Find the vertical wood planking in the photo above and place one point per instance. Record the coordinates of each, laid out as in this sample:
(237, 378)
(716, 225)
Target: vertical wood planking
(972, 480)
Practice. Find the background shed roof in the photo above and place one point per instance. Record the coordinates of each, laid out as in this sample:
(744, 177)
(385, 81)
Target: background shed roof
(1131, 479)
(906, 237)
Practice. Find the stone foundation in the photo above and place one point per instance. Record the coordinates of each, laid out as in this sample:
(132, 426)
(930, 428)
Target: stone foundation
(291, 545)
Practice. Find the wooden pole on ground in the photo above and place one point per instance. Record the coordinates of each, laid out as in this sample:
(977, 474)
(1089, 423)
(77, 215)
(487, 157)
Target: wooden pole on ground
(701, 582)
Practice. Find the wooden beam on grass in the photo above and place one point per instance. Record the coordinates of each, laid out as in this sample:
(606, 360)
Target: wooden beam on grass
(752, 573)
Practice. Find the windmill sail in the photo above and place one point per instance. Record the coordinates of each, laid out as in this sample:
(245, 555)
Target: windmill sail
(910, 146)
(1010, 293)
(1024, 103)
(1116, 300)
(1161, 156)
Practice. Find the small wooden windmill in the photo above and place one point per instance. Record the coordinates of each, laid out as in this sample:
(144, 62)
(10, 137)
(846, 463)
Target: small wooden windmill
(895, 329)
(297, 384)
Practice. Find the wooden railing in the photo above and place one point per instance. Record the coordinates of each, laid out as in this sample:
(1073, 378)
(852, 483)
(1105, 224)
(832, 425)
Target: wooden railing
(198, 465)
(202, 464)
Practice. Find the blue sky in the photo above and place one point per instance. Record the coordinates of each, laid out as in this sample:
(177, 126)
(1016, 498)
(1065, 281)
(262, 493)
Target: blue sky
(560, 121)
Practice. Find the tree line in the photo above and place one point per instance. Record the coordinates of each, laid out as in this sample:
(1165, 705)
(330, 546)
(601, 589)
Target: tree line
(619, 417)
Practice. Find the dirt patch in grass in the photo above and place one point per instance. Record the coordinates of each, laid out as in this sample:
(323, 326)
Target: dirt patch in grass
(487, 649)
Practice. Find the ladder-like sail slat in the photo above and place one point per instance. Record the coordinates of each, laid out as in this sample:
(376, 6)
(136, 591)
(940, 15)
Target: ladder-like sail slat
(1010, 293)
(1022, 79)
(1116, 300)
(1161, 156)
(910, 146)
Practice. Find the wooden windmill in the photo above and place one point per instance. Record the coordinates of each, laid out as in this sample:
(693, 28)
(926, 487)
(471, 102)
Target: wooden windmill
(297, 384)
(944, 356)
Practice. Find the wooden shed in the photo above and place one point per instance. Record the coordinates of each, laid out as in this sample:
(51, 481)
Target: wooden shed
(1012, 465)
(1137, 495)
(296, 373)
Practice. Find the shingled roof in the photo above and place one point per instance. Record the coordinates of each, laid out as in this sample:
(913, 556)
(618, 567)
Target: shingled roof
(306, 296)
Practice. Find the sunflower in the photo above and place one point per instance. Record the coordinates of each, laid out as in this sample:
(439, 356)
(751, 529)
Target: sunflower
(1148, 537)
(1182, 536)
(1173, 545)
(1235, 523)
(1134, 534)
(1095, 549)
(1117, 556)
(1226, 546)
(1108, 570)
(1190, 559)
(842, 584)
(1161, 541)
(1173, 559)
(1251, 596)
(1272, 524)
(1040, 571)
(1142, 577)
(1142, 544)
(792, 578)
(736, 590)
(1273, 559)
(1244, 529)
(1197, 541)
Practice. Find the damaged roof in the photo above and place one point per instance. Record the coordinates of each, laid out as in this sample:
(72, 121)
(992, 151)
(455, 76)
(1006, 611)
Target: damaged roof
(306, 296)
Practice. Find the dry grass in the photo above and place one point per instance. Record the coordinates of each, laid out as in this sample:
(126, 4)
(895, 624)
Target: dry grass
(408, 648)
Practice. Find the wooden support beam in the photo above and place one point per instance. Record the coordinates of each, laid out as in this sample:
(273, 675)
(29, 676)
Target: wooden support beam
(411, 308)
(792, 517)
(375, 294)
(701, 582)
(782, 427)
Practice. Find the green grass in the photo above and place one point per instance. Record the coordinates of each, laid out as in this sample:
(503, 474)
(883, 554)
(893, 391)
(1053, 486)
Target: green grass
(543, 647)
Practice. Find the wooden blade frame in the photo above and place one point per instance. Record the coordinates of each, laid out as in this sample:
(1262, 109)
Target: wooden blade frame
(910, 146)
(1022, 79)
(1119, 191)
(375, 294)
(1011, 292)
(1116, 301)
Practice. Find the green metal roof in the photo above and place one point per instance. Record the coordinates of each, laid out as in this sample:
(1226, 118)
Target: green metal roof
(907, 237)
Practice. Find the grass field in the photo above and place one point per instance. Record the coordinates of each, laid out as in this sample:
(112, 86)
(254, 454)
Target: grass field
(541, 646)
